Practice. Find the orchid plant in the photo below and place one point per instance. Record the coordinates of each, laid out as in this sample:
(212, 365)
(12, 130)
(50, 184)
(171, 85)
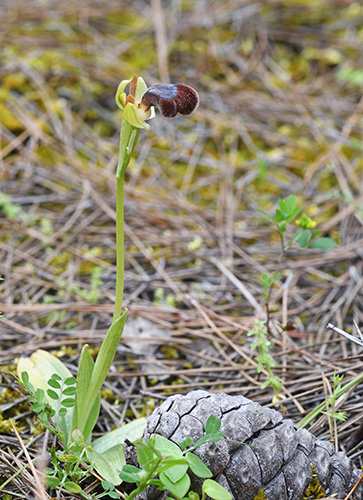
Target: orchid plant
(42, 372)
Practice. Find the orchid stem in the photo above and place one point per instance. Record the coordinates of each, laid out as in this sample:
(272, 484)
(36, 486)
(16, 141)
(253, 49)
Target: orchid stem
(120, 250)
(128, 140)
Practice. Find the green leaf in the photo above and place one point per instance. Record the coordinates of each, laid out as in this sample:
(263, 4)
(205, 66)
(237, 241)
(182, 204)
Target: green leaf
(130, 474)
(197, 466)
(89, 395)
(184, 444)
(69, 391)
(113, 494)
(323, 243)
(167, 463)
(107, 486)
(84, 376)
(132, 431)
(105, 468)
(25, 377)
(351, 75)
(53, 395)
(70, 381)
(215, 490)
(53, 383)
(52, 481)
(39, 393)
(56, 376)
(67, 458)
(279, 216)
(302, 237)
(165, 447)
(316, 233)
(62, 412)
(146, 456)
(116, 457)
(77, 438)
(212, 425)
(68, 402)
(216, 437)
(72, 487)
(265, 283)
(176, 472)
(37, 408)
(179, 488)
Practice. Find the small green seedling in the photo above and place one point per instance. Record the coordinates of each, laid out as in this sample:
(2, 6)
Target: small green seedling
(304, 237)
(264, 359)
(268, 281)
(307, 238)
(166, 465)
(331, 400)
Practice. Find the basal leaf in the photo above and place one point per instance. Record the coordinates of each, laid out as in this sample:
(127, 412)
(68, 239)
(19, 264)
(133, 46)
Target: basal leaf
(101, 368)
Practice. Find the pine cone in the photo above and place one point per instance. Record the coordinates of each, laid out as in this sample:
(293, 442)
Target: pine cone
(275, 457)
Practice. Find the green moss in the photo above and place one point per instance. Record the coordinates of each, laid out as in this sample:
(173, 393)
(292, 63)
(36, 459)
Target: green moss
(260, 495)
(314, 490)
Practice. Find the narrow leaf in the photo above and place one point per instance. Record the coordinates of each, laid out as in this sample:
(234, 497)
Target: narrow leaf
(101, 368)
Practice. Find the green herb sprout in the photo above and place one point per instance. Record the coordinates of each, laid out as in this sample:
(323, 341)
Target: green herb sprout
(304, 237)
(264, 359)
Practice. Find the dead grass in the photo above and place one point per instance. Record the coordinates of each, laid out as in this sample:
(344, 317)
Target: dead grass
(278, 116)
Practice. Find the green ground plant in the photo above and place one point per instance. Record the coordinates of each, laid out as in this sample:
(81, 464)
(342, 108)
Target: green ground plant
(331, 402)
(261, 342)
(303, 237)
(166, 465)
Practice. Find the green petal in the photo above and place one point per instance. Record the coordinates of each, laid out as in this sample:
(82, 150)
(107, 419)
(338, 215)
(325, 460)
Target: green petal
(131, 115)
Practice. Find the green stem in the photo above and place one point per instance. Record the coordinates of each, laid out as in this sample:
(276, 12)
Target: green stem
(128, 140)
(120, 254)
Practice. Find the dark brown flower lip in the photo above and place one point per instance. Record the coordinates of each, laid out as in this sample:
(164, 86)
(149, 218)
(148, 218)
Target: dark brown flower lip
(171, 99)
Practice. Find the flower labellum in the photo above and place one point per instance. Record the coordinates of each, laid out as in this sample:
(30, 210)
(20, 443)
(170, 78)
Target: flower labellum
(171, 99)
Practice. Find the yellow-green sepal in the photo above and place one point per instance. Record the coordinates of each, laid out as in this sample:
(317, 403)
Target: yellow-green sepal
(136, 116)
(120, 96)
